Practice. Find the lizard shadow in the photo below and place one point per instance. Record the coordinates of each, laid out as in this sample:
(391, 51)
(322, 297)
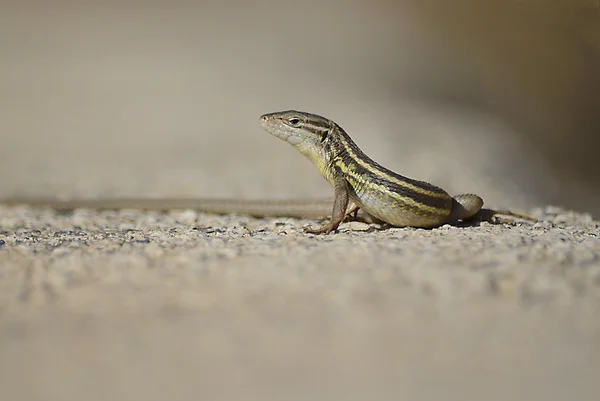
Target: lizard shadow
(482, 216)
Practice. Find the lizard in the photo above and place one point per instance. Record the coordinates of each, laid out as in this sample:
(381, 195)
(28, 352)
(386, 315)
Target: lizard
(385, 196)
(379, 194)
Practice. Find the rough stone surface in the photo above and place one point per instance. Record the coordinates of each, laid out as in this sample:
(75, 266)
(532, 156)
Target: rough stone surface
(150, 306)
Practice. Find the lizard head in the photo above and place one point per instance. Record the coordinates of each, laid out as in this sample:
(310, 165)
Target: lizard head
(297, 127)
(308, 133)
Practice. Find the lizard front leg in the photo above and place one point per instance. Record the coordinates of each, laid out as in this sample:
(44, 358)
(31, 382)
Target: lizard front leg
(340, 204)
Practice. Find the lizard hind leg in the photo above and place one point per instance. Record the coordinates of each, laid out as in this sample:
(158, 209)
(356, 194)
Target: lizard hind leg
(465, 206)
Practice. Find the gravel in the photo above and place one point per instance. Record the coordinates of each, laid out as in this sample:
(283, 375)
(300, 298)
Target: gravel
(142, 305)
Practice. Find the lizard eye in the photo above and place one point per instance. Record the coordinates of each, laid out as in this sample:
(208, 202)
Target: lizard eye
(294, 121)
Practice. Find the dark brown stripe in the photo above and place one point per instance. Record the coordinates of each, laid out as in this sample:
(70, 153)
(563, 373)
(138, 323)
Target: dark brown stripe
(439, 203)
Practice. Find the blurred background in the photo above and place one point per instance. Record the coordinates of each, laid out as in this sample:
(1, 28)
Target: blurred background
(160, 98)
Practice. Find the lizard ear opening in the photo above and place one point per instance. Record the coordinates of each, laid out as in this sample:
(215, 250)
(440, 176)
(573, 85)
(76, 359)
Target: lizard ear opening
(324, 135)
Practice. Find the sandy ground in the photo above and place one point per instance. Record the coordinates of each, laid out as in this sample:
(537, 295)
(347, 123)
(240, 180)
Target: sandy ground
(149, 306)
